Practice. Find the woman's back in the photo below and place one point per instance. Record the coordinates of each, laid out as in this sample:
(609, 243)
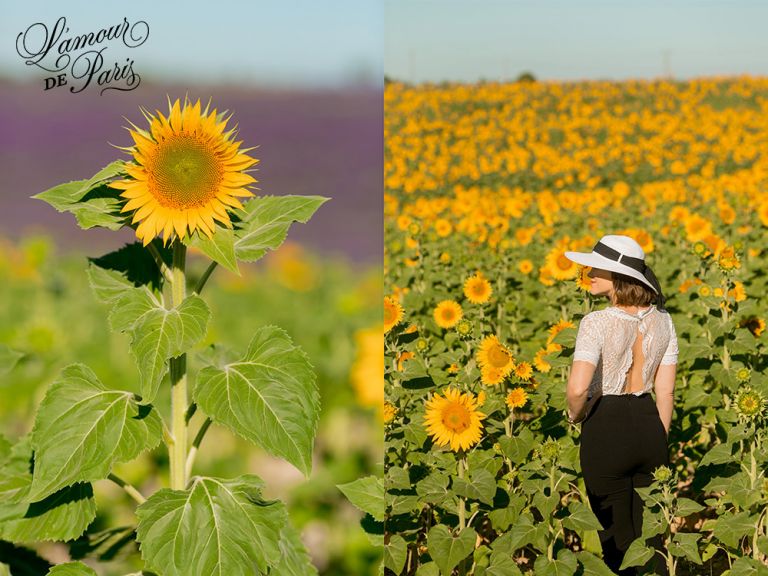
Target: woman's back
(626, 348)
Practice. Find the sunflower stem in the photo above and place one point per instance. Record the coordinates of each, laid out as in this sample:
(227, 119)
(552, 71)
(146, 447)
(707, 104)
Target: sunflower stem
(204, 278)
(130, 490)
(461, 510)
(178, 370)
(164, 270)
(196, 445)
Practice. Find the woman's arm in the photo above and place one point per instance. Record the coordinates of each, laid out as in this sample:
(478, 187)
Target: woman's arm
(664, 385)
(578, 386)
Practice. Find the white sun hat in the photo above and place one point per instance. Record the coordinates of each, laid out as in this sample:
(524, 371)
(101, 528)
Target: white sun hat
(620, 254)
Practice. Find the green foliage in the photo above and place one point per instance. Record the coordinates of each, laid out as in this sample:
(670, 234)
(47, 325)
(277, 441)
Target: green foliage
(82, 429)
(367, 494)
(265, 223)
(268, 397)
(214, 527)
(63, 515)
(72, 569)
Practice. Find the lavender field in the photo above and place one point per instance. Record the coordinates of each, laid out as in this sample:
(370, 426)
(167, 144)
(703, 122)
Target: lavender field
(325, 142)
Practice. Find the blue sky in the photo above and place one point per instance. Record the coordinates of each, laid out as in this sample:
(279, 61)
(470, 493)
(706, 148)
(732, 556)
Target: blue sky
(272, 42)
(467, 40)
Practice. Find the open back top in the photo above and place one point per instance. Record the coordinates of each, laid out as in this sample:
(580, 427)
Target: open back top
(612, 337)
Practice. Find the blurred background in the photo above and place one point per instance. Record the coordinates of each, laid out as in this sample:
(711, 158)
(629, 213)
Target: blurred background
(304, 83)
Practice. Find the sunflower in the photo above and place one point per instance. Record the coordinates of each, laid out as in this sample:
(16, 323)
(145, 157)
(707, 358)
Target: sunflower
(477, 289)
(447, 314)
(393, 313)
(186, 173)
(525, 266)
(516, 398)
(491, 376)
(453, 419)
(749, 403)
(560, 267)
(754, 324)
(494, 354)
(557, 328)
(524, 370)
(389, 412)
(583, 281)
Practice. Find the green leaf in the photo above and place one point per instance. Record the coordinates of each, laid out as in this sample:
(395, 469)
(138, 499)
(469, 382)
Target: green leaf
(62, 516)
(367, 494)
(266, 222)
(157, 333)
(687, 545)
(564, 565)
(131, 308)
(8, 359)
(130, 266)
(220, 248)
(686, 506)
(82, 430)
(746, 566)
(480, 485)
(581, 518)
(730, 528)
(593, 566)
(5, 570)
(502, 565)
(22, 561)
(218, 527)
(395, 553)
(719, 454)
(270, 397)
(72, 569)
(294, 560)
(448, 550)
(637, 554)
(63, 196)
(428, 569)
(525, 532)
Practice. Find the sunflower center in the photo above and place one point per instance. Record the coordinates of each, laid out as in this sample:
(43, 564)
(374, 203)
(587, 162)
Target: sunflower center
(448, 314)
(563, 263)
(389, 314)
(498, 357)
(186, 172)
(456, 418)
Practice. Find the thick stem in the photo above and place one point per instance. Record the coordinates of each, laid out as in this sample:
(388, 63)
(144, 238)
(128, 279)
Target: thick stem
(178, 371)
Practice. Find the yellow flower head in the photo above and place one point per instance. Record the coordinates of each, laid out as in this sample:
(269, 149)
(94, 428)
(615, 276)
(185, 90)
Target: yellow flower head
(560, 267)
(494, 354)
(516, 398)
(389, 412)
(492, 376)
(557, 328)
(583, 281)
(367, 372)
(477, 289)
(453, 419)
(443, 227)
(186, 173)
(525, 266)
(524, 370)
(393, 313)
(447, 314)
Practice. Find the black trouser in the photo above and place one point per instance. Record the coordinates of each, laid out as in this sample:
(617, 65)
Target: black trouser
(622, 442)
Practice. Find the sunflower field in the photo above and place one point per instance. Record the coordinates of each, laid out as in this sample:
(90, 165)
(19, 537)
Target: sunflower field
(486, 186)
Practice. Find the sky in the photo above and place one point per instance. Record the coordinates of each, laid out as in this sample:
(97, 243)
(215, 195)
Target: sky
(471, 40)
(276, 42)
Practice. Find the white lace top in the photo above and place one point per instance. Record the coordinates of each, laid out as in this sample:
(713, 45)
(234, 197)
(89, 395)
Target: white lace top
(605, 339)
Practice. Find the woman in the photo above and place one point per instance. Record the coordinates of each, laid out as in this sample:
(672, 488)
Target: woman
(621, 352)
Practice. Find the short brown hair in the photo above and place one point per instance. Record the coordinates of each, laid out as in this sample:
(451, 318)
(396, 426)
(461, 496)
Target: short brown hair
(631, 292)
